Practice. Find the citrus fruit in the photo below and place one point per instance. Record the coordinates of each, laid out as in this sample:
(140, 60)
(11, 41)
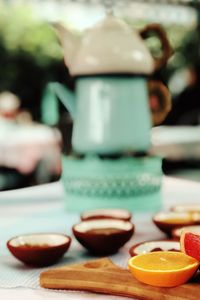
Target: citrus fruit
(190, 243)
(163, 268)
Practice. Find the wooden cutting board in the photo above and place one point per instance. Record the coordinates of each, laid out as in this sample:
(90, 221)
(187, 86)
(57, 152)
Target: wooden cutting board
(102, 276)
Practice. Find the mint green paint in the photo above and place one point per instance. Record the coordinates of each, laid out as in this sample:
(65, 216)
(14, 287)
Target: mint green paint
(53, 93)
(111, 113)
(131, 183)
(139, 203)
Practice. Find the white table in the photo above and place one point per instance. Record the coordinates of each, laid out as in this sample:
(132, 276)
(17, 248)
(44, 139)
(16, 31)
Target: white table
(176, 142)
(17, 204)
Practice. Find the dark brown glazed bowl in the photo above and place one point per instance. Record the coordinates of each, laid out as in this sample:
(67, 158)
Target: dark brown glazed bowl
(103, 236)
(107, 213)
(167, 221)
(191, 208)
(41, 249)
(176, 233)
(152, 246)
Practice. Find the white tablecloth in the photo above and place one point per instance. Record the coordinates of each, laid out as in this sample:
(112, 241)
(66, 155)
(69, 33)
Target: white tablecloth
(23, 146)
(19, 204)
(176, 142)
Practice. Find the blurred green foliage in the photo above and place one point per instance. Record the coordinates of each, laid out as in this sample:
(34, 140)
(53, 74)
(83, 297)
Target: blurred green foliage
(21, 30)
(30, 55)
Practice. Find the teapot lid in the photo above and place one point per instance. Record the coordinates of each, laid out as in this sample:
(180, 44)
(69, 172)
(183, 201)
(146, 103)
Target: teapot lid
(110, 47)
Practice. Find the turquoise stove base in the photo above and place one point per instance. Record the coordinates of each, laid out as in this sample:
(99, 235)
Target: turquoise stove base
(145, 203)
(128, 182)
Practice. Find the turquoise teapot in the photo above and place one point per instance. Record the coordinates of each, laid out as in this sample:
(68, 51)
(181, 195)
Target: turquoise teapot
(110, 106)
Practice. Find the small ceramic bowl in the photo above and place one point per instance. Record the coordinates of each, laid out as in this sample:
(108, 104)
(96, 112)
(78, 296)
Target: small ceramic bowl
(103, 236)
(152, 246)
(108, 213)
(176, 233)
(192, 208)
(167, 221)
(40, 249)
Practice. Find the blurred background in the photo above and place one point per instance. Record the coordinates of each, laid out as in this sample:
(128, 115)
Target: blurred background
(31, 57)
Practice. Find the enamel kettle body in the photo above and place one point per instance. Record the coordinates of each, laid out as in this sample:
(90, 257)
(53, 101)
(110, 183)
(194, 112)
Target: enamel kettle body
(107, 120)
(110, 107)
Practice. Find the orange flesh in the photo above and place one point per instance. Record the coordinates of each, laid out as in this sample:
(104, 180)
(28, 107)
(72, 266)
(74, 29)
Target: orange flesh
(164, 269)
(166, 262)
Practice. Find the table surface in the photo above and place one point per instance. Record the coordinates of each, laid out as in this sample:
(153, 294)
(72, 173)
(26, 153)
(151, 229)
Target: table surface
(176, 142)
(18, 205)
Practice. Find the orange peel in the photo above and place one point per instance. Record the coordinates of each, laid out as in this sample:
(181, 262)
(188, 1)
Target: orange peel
(163, 268)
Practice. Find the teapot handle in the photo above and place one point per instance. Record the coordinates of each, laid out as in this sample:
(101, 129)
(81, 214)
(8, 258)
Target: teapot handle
(159, 101)
(166, 47)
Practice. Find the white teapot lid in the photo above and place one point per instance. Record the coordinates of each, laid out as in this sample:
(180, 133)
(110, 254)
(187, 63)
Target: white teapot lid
(111, 47)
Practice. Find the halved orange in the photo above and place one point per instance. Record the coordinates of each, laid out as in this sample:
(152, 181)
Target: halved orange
(190, 243)
(163, 268)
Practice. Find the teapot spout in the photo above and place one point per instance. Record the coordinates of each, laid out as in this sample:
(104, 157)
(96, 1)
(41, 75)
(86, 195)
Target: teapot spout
(49, 104)
(69, 41)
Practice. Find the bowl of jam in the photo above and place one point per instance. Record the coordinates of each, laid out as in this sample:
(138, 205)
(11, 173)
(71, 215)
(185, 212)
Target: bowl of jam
(187, 207)
(152, 246)
(40, 249)
(176, 233)
(167, 221)
(107, 213)
(103, 236)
